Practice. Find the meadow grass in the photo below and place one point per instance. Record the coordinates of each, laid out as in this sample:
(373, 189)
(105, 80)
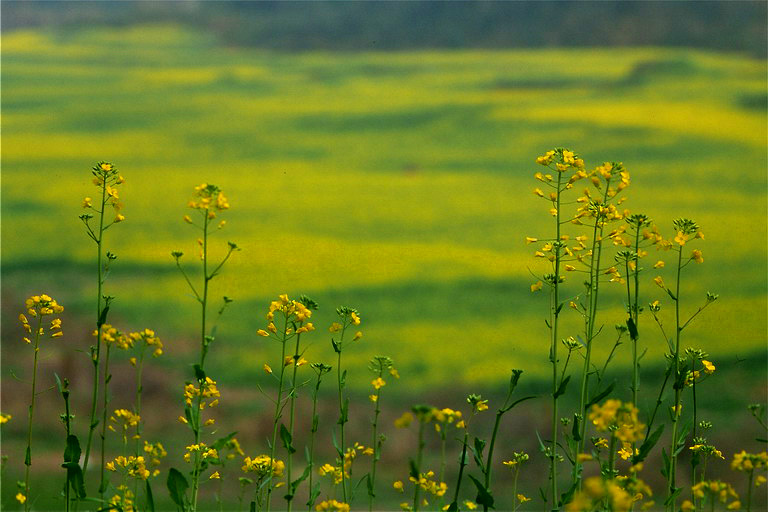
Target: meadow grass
(399, 182)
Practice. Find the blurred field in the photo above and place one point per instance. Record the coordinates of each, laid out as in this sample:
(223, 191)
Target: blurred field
(398, 183)
(395, 182)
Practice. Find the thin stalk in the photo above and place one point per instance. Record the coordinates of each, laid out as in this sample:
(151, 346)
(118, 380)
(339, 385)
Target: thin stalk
(97, 356)
(103, 481)
(594, 287)
(375, 446)
(342, 421)
(28, 456)
(554, 317)
(203, 353)
(278, 414)
(514, 488)
(676, 370)
(749, 490)
(419, 456)
(462, 464)
(139, 370)
(312, 435)
(292, 396)
(68, 425)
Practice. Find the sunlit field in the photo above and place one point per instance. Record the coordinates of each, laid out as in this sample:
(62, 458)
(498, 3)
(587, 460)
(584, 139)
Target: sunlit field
(397, 183)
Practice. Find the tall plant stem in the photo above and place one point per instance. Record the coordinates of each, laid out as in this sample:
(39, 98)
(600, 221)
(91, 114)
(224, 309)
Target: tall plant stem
(28, 455)
(278, 414)
(342, 421)
(594, 287)
(554, 320)
(292, 396)
(96, 357)
(375, 446)
(678, 388)
(203, 352)
(103, 481)
(419, 457)
(312, 434)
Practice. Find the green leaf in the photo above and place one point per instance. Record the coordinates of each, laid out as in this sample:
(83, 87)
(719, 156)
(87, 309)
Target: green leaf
(647, 445)
(177, 487)
(484, 497)
(199, 373)
(72, 451)
(477, 451)
(295, 484)
(575, 431)
(150, 498)
(567, 495)
(632, 329)
(414, 470)
(287, 439)
(102, 317)
(222, 442)
(604, 393)
(314, 493)
(561, 388)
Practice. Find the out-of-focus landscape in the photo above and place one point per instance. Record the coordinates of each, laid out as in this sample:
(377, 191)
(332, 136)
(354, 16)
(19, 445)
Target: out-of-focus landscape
(395, 179)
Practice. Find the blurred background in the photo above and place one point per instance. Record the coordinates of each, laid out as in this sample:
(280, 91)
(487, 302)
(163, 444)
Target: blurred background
(378, 155)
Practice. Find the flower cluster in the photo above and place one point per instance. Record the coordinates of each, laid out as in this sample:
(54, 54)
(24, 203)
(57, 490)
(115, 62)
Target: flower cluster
(597, 491)
(332, 505)
(147, 336)
(134, 467)
(209, 198)
(40, 306)
(713, 490)
(262, 465)
(206, 390)
(295, 315)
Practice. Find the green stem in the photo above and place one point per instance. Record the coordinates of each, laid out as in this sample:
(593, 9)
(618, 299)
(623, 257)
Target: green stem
(594, 287)
(462, 464)
(419, 455)
(375, 446)
(676, 369)
(342, 421)
(312, 434)
(554, 317)
(96, 358)
(278, 414)
(489, 460)
(103, 481)
(28, 456)
(749, 490)
(292, 394)
(203, 353)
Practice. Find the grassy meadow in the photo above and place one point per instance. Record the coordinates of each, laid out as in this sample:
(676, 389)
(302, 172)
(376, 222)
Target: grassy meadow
(397, 183)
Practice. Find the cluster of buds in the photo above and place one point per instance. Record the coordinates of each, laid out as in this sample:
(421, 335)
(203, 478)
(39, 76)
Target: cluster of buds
(107, 178)
(209, 199)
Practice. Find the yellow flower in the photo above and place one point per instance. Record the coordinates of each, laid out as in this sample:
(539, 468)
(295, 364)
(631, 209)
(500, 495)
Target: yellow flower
(21, 498)
(658, 264)
(355, 319)
(119, 217)
(659, 281)
(357, 336)
(530, 240)
(696, 256)
(759, 480)
(482, 405)
(214, 476)
(335, 327)
(687, 506)
(625, 453)
(404, 421)
(378, 383)
(398, 486)
(471, 505)
(4, 418)
(681, 238)
(584, 457)
(373, 398)
(536, 286)
(87, 202)
(709, 368)
(262, 332)
(522, 498)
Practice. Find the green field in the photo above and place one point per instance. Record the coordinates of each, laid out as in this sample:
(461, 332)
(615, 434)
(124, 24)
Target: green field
(399, 183)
